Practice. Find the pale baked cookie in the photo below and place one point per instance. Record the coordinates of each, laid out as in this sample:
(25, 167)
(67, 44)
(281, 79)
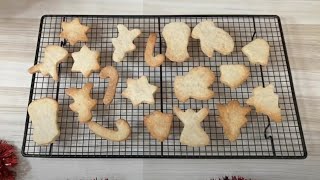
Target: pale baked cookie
(233, 75)
(111, 73)
(44, 116)
(85, 61)
(124, 42)
(121, 134)
(195, 84)
(193, 134)
(53, 55)
(159, 125)
(152, 61)
(139, 91)
(212, 38)
(232, 117)
(176, 35)
(74, 31)
(257, 51)
(266, 101)
(83, 103)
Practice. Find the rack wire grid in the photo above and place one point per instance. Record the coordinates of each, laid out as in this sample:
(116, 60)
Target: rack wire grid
(260, 138)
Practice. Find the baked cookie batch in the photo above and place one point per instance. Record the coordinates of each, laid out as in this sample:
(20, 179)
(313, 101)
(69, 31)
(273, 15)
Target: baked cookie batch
(194, 84)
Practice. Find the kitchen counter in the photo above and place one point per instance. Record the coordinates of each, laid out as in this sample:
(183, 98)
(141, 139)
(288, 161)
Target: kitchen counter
(19, 25)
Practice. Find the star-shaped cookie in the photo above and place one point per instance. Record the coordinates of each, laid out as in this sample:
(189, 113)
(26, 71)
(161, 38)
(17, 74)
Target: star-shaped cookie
(85, 61)
(74, 31)
(194, 84)
(266, 101)
(139, 91)
(123, 43)
(232, 117)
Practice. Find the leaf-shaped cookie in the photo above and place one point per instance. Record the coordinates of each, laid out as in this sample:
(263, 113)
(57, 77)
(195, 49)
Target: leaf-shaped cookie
(232, 117)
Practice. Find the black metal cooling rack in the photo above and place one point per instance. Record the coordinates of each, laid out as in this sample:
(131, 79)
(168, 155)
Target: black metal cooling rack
(261, 138)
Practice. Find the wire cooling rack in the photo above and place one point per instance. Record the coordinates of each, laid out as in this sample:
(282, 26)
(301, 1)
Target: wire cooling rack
(261, 138)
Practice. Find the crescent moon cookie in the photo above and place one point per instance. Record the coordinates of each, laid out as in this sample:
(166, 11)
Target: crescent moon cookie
(212, 38)
(74, 31)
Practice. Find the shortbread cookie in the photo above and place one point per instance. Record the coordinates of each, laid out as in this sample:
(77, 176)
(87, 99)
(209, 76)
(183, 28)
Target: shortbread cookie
(212, 38)
(193, 134)
(233, 75)
(44, 116)
(111, 73)
(195, 84)
(176, 35)
(257, 51)
(139, 91)
(53, 55)
(153, 61)
(83, 103)
(266, 101)
(121, 134)
(85, 61)
(74, 31)
(124, 42)
(159, 125)
(232, 117)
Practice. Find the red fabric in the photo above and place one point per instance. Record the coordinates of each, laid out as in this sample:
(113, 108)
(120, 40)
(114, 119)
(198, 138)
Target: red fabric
(8, 160)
